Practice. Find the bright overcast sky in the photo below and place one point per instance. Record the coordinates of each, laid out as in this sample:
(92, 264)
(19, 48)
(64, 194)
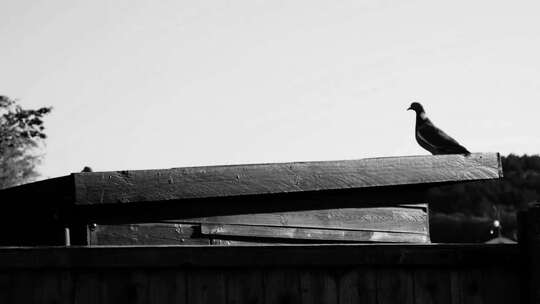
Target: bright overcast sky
(158, 84)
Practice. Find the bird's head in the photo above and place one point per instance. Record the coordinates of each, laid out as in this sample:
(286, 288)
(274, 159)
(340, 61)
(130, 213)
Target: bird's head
(417, 107)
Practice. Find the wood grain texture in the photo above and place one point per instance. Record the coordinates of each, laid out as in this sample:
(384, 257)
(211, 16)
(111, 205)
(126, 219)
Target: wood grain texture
(311, 234)
(146, 234)
(257, 179)
(397, 219)
(254, 256)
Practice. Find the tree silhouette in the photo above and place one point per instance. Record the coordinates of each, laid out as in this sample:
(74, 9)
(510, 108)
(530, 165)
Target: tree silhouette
(21, 132)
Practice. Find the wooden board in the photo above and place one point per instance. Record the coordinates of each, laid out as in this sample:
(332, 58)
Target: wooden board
(311, 234)
(257, 179)
(395, 219)
(385, 224)
(146, 234)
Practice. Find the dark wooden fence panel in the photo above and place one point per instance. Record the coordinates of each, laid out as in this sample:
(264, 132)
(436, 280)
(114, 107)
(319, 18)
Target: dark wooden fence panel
(280, 285)
(375, 274)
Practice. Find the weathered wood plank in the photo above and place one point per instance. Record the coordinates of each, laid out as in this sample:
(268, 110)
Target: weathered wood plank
(256, 179)
(312, 234)
(266, 256)
(146, 234)
(397, 219)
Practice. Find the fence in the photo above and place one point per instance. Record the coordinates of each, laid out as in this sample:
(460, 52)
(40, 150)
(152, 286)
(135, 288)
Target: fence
(268, 270)
(264, 274)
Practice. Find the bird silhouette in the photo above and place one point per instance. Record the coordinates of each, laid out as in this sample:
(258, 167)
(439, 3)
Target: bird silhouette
(432, 138)
(86, 169)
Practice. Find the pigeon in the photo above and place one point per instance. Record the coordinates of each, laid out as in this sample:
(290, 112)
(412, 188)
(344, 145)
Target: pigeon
(432, 138)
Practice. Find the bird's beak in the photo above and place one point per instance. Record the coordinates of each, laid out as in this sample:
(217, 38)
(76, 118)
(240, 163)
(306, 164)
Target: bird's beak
(409, 108)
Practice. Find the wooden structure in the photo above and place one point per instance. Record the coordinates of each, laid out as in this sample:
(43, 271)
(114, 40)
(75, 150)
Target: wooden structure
(344, 273)
(368, 200)
(218, 200)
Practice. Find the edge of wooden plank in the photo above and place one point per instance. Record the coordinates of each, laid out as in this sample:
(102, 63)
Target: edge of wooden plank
(294, 177)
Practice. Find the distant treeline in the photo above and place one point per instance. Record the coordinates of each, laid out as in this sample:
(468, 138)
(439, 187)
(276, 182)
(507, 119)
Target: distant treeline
(465, 212)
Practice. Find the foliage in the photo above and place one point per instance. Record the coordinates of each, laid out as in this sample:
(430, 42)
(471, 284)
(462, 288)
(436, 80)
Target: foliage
(465, 212)
(21, 132)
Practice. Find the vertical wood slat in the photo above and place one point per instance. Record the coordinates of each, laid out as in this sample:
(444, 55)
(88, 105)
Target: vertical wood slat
(395, 286)
(167, 287)
(500, 279)
(206, 286)
(455, 287)
(123, 286)
(432, 286)
(88, 287)
(318, 286)
(245, 286)
(5, 286)
(358, 285)
(23, 287)
(281, 286)
(471, 286)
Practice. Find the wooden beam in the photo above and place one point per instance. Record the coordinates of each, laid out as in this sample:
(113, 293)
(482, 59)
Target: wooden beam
(241, 180)
(453, 255)
(312, 234)
(390, 219)
(147, 234)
